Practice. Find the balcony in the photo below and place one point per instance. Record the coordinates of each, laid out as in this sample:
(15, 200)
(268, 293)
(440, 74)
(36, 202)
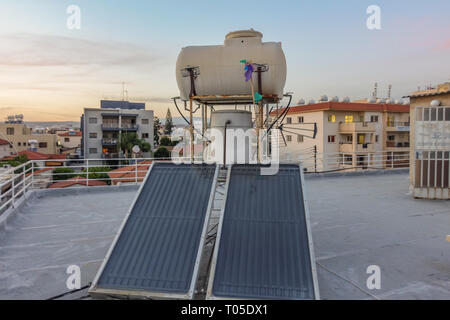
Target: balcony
(348, 147)
(350, 127)
(109, 141)
(110, 156)
(397, 146)
(398, 126)
(115, 127)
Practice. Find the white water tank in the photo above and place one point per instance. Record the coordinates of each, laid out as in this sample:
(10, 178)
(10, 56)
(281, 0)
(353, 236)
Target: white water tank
(240, 143)
(219, 71)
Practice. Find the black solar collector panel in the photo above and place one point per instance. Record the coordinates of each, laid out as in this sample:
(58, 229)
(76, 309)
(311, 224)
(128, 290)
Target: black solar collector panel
(263, 247)
(156, 253)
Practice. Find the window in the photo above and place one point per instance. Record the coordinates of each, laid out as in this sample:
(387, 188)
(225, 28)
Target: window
(376, 138)
(331, 139)
(66, 139)
(19, 144)
(426, 114)
(289, 120)
(433, 114)
(42, 144)
(373, 118)
(144, 121)
(299, 138)
(93, 135)
(391, 138)
(145, 135)
(10, 131)
(350, 138)
(92, 120)
(419, 114)
(447, 114)
(92, 150)
(440, 113)
(301, 120)
(331, 118)
(289, 138)
(348, 119)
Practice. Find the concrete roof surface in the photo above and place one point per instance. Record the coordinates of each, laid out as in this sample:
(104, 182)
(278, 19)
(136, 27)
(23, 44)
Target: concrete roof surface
(357, 221)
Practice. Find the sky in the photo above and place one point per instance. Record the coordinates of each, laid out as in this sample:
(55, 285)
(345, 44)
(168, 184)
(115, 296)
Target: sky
(50, 73)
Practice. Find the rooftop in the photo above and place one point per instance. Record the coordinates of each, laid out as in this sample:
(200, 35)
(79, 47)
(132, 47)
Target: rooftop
(33, 155)
(346, 106)
(357, 220)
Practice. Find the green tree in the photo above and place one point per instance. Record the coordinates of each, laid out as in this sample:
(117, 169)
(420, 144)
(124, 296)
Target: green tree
(156, 127)
(63, 173)
(98, 173)
(168, 127)
(130, 139)
(162, 152)
(165, 141)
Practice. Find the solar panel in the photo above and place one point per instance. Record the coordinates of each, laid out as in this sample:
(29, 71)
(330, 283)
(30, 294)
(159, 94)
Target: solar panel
(264, 246)
(158, 248)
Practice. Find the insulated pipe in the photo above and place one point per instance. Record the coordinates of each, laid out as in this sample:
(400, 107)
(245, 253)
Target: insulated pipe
(225, 143)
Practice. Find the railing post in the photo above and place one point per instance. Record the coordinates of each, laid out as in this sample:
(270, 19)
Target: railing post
(392, 159)
(87, 172)
(32, 174)
(23, 181)
(135, 171)
(13, 185)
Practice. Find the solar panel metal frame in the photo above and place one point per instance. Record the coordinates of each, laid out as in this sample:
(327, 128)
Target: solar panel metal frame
(210, 295)
(141, 294)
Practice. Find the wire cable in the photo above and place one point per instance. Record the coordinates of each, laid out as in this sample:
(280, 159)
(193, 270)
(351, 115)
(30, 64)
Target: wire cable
(69, 292)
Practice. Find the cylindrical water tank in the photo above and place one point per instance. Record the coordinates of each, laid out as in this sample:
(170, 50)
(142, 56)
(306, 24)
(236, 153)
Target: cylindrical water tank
(218, 70)
(239, 144)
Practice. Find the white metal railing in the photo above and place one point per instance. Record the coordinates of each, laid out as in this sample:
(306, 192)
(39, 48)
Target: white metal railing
(17, 182)
(351, 161)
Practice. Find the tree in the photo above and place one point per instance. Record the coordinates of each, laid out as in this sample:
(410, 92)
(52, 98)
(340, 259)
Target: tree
(156, 127)
(130, 139)
(165, 141)
(168, 127)
(98, 173)
(63, 173)
(162, 153)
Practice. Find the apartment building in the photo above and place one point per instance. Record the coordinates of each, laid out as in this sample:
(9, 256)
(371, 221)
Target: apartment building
(23, 138)
(4, 148)
(349, 135)
(70, 141)
(430, 141)
(101, 127)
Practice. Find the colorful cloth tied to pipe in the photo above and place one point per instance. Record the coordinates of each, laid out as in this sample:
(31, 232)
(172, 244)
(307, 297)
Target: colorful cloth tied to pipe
(248, 71)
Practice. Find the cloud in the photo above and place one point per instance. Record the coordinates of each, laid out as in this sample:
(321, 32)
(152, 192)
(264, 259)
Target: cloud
(35, 50)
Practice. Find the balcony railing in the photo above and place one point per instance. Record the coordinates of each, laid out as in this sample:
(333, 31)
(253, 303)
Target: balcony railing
(115, 126)
(356, 127)
(397, 126)
(109, 141)
(395, 144)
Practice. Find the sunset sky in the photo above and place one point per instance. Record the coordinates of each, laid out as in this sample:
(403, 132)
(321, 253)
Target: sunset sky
(50, 73)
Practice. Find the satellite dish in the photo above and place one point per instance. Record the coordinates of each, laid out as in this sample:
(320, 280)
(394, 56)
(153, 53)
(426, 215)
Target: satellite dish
(323, 98)
(334, 99)
(136, 149)
(435, 103)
